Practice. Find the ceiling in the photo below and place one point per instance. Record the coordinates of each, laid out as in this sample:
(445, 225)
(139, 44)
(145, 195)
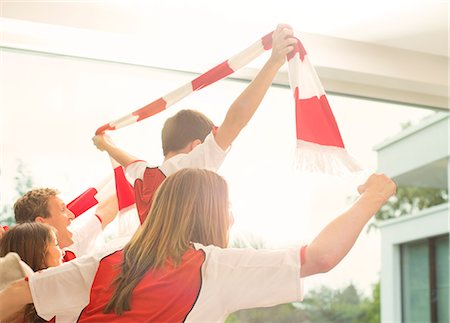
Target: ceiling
(420, 26)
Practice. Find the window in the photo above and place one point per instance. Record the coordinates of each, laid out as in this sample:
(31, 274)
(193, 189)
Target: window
(425, 280)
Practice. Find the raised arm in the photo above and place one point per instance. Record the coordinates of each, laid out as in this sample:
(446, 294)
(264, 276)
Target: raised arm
(107, 210)
(104, 143)
(243, 108)
(339, 236)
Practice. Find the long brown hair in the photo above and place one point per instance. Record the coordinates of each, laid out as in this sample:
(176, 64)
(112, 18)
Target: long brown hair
(190, 206)
(30, 241)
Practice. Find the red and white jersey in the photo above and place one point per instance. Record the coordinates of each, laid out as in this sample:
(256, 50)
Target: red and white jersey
(85, 231)
(146, 179)
(208, 155)
(164, 295)
(207, 286)
(63, 291)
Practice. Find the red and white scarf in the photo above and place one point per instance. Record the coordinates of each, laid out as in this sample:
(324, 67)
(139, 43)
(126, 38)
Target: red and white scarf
(319, 144)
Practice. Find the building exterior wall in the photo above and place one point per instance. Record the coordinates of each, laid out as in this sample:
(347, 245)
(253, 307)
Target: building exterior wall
(419, 156)
(428, 223)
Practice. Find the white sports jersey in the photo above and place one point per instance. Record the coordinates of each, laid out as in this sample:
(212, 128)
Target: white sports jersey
(85, 230)
(207, 155)
(231, 279)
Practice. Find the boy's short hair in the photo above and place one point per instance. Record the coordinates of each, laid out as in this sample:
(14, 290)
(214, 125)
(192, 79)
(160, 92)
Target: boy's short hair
(33, 204)
(183, 128)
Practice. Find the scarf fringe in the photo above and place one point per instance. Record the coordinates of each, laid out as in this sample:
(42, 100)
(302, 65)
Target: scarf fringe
(331, 160)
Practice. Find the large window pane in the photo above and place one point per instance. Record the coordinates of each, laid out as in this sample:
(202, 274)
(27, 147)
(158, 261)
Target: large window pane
(442, 273)
(415, 282)
(70, 97)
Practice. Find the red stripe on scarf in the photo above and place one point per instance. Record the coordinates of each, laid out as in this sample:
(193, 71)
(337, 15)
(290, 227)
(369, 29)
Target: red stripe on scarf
(213, 75)
(267, 41)
(150, 109)
(315, 121)
(83, 202)
(298, 48)
(103, 128)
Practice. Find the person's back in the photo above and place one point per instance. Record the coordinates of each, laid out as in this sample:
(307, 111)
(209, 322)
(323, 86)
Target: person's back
(162, 295)
(177, 267)
(187, 142)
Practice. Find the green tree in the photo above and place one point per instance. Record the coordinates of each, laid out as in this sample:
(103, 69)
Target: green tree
(411, 199)
(371, 307)
(336, 306)
(23, 183)
(248, 241)
(284, 313)
(322, 305)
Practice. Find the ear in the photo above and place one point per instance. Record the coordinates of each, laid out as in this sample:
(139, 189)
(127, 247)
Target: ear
(40, 219)
(195, 143)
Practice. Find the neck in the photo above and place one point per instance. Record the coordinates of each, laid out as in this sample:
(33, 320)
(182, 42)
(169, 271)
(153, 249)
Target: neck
(171, 154)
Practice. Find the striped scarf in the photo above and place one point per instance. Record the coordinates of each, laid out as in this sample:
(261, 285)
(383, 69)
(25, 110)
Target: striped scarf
(319, 144)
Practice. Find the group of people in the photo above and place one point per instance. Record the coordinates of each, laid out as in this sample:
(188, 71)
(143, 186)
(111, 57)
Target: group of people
(177, 267)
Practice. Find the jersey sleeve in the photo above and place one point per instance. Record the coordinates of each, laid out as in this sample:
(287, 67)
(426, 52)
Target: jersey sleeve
(208, 155)
(239, 278)
(63, 291)
(85, 229)
(135, 170)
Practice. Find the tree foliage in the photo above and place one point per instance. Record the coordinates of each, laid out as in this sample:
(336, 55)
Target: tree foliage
(284, 313)
(410, 199)
(337, 306)
(324, 305)
(371, 307)
(23, 183)
(248, 241)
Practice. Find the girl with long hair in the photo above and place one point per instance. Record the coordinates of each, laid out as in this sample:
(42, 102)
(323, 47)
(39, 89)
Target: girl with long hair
(36, 244)
(178, 268)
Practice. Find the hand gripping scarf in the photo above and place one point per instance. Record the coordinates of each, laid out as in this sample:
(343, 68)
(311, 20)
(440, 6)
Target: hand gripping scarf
(319, 144)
